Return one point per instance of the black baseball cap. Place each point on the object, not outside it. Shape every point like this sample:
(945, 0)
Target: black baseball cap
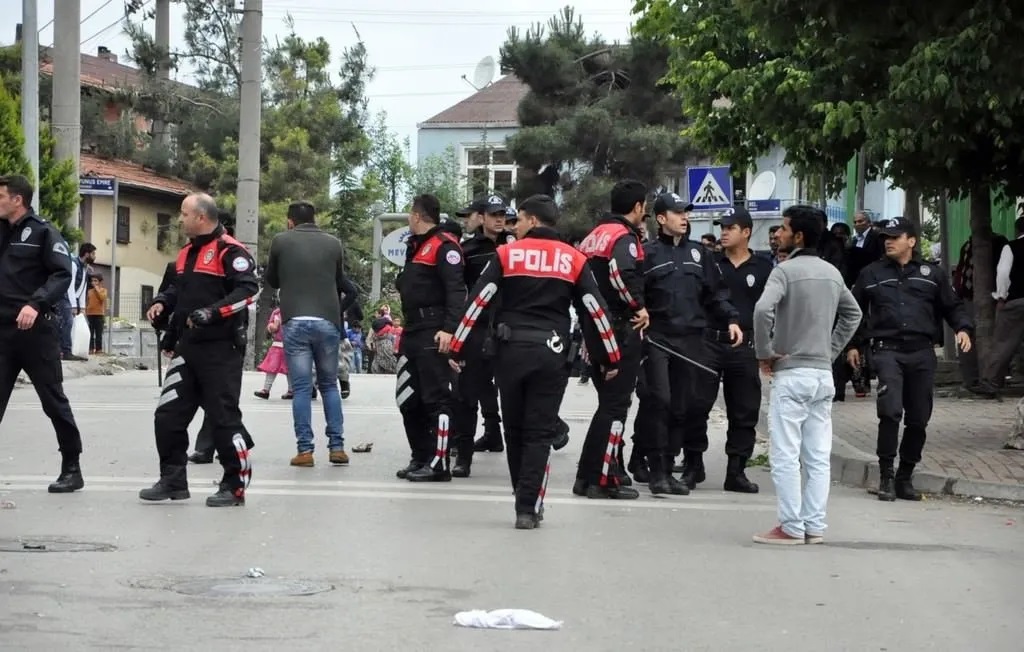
(670, 201)
(738, 215)
(494, 205)
(475, 206)
(896, 226)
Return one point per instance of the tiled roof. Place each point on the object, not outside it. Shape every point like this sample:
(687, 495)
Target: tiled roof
(496, 106)
(98, 72)
(133, 175)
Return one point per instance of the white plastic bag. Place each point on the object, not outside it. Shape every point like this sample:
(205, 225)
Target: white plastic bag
(505, 619)
(80, 336)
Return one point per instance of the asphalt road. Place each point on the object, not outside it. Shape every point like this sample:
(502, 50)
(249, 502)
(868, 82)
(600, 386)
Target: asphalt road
(393, 562)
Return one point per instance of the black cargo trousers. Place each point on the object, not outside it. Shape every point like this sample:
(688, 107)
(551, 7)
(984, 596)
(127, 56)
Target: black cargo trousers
(475, 386)
(36, 351)
(532, 378)
(208, 375)
(424, 397)
(606, 427)
(741, 390)
(906, 381)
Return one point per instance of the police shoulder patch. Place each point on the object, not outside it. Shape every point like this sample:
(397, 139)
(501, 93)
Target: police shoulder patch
(26, 232)
(60, 248)
(453, 257)
(695, 254)
(240, 264)
(509, 239)
(632, 249)
(925, 270)
(208, 257)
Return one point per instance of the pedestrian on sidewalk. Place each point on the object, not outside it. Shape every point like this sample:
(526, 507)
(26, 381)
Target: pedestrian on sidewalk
(1009, 327)
(904, 300)
(95, 311)
(274, 363)
(35, 273)
(307, 265)
(803, 320)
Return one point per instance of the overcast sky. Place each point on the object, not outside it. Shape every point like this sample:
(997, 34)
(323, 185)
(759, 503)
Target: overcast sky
(420, 49)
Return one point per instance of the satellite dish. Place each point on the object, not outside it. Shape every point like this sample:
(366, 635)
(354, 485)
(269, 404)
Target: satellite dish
(763, 186)
(483, 75)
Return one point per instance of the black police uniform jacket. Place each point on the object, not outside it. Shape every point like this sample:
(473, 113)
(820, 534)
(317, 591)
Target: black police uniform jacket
(432, 284)
(615, 252)
(745, 284)
(35, 267)
(478, 251)
(907, 304)
(683, 288)
(212, 271)
(537, 279)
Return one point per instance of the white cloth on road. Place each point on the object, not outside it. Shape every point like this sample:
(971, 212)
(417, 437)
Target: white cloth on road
(505, 619)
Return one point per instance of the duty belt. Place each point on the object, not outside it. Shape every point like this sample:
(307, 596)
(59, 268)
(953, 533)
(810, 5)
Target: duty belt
(555, 341)
(725, 337)
(906, 346)
(430, 312)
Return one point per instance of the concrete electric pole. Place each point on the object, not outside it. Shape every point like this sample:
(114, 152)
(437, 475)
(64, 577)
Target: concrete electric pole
(247, 210)
(162, 37)
(67, 74)
(30, 88)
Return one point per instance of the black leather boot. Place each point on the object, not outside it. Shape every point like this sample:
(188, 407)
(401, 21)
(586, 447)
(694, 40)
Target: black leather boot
(886, 482)
(561, 436)
(201, 458)
(904, 486)
(693, 469)
(227, 497)
(525, 522)
(657, 480)
(462, 465)
(736, 477)
(427, 473)
(409, 468)
(491, 441)
(613, 492)
(172, 485)
(639, 467)
(70, 478)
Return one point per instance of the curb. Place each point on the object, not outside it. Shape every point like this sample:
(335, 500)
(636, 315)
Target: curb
(853, 467)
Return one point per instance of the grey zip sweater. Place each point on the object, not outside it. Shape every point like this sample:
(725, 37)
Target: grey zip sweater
(307, 265)
(805, 314)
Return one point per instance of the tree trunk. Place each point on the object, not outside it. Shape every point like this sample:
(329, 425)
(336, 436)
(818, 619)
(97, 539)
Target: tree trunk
(912, 206)
(984, 270)
(822, 193)
(862, 177)
(1016, 440)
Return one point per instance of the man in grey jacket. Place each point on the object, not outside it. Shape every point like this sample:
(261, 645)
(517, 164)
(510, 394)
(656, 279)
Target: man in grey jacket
(802, 322)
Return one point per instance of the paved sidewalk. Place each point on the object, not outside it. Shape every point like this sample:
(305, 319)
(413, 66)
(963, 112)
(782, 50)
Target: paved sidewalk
(963, 456)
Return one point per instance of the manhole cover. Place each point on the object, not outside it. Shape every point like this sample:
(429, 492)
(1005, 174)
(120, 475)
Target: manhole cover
(52, 544)
(245, 587)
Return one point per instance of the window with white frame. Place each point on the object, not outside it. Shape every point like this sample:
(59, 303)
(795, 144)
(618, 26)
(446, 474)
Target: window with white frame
(489, 169)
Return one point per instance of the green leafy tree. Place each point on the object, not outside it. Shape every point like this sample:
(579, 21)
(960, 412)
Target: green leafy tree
(12, 138)
(389, 161)
(439, 175)
(595, 113)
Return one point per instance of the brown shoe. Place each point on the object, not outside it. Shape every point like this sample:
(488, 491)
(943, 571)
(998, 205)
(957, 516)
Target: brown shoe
(339, 457)
(303, 459)
(777, 537)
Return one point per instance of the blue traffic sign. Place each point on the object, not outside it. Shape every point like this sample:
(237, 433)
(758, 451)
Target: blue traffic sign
(710, 187)
(96, 186)
(764, 205)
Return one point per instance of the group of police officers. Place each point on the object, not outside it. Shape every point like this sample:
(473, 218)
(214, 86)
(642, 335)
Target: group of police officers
(665, 318)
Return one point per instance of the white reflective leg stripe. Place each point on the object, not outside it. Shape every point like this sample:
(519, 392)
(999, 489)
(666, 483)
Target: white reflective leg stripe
(442, 440)
(543, 490)
(244, 463)
(404, 378)
(611, 451)
(168, 396)
(172, 379)
(404, 395)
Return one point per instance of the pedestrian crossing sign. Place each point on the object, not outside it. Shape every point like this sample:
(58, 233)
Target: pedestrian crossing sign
(710, 187)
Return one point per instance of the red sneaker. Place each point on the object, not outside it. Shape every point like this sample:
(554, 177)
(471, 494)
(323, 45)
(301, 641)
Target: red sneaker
(777, 537)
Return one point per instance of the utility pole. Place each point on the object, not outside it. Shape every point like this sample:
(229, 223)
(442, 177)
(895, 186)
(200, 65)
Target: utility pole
(247, 211)
(67, 75)
(163, 68)
(30, 89)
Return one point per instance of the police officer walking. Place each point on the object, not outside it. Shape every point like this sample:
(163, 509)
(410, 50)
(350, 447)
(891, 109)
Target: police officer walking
(744, 274)
(614, 250)
(536, 279)
(477, 377)
(904, 300)
(432, 286)
(35, 273)
(684, 291)
(209, 307)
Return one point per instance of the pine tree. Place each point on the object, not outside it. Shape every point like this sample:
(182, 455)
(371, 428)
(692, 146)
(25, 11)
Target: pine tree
(58, 187)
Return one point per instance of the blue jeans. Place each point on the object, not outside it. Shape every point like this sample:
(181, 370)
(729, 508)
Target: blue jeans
(308, 342)
(800, 439)
(65, 320)
(357, 361)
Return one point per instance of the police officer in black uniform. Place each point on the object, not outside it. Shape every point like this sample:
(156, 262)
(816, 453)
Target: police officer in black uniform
(477, 377)
(35, 273)
(684, 290)
(744, 273)
(536, 278)
(614, 249)
(904, 300)
(432, 287)
(208, 304)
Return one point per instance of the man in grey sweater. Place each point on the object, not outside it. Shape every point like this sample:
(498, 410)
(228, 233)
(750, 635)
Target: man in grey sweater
(802, 322)
(307, 265)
